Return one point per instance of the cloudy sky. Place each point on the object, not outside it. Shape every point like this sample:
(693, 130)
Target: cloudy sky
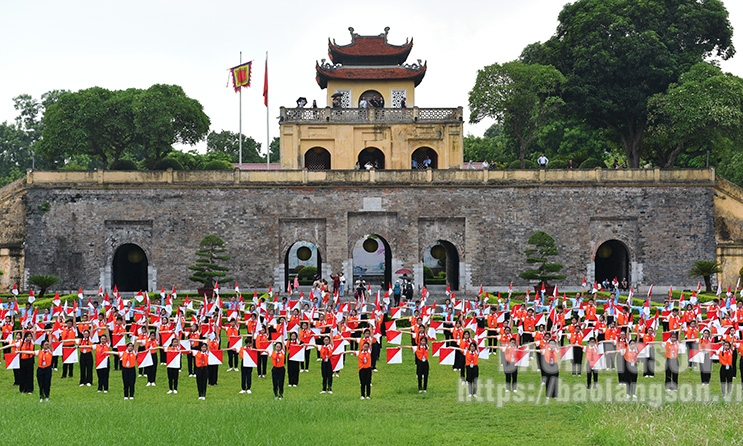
(77, 44)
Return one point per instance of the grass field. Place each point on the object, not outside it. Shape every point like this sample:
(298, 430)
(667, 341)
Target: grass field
(396, 413)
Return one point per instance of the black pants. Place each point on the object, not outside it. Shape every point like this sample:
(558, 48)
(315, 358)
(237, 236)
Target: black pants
(591, 375)
(492, 340)
(706, 368)
(173, 378)
(375, 350)
(672, 373)
(306, 364)
(246, 375)
(129, 377)
(691, 345)
(471, 377)
(232, 359)
(609, 350)
(577, 359)
(213, 374)
(277, 375)
(621, 366)
(163, 357)
(292, 369)
(201, 377)
(192, 361)
(459, 362)
(512, 375)
(117, 362)
(649, 363)
(86, 368)
(26, 376)
(152, 370)
(630, 376)
(262, 365)
(67, 370)
(421, 369)
(365, 376)
(103, 378)
(326, 369)
(44, 378)
(726, 379)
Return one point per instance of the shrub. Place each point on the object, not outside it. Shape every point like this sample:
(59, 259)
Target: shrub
(557, 164)
(43, 281)
(218, 165)
(124, 165)
(308, 272)
(528, 164)
(427, 272)
(592, 163)
(208, 258)
(168, 163)
(543, 248)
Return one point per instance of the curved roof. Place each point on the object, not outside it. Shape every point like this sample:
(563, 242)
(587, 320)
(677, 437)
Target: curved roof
(369, 50)
(327, 72)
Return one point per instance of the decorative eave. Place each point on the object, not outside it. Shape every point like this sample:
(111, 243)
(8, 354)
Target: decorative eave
(327, 71)
(369, 50)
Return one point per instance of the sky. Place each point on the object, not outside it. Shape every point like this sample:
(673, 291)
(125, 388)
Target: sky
(78, 44)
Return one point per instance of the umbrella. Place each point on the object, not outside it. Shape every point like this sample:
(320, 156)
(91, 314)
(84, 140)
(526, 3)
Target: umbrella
(403, 271)
(336, 94)
(302, 101)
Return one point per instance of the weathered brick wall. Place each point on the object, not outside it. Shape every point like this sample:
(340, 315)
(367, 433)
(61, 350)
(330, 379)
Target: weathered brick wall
(12, 234)
(665, 227)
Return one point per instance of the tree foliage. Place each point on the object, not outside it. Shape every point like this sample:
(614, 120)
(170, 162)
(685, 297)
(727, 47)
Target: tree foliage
(228, 143)
(522, 97)
(539, 255)
(43, 281)
(616, 54)
(208, 267)
(705, 269)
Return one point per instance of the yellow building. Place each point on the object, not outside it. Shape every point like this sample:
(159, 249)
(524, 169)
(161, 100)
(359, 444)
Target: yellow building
(371, 120)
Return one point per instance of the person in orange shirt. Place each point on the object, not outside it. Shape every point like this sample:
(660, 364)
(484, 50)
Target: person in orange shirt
(726, 369)
(648, 369)
(691, 335)
(213, 369)
(68, 342)
(278, 372)
(102, 349)
(528, 325)
(201, 370)
(26, 375)
(292, 368)
(365, 369)
(509, 365)
(233, 334)
(261, 344)
(194, 338)
(326, 368)
(592, 357)
(551, 367)
(463, 343)
(576, 340)
(492, 322)
(86, 359)
(421, 366)
(174, 347)
(306, 336)
(473, 371)
(610, 336)
(620, 345)
(151, 345)
(630, 354)
(705, 368)
(128, 362)
(672, 362)
(44, 371)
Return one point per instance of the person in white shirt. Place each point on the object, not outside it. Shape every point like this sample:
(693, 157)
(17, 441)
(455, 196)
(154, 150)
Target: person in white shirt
(542, 161)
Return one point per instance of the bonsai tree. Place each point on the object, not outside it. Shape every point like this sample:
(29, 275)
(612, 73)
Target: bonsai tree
(207, 268)
(705, 269)
(43, 281)
(538, 256)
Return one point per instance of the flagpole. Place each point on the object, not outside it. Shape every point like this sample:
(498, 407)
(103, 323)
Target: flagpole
(240, 127)
(268, 140)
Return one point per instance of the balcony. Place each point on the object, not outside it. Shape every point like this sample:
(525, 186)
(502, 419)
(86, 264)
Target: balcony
(370, 115)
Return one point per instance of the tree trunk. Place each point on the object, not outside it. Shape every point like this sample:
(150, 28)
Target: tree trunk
(707, 284)
(632, 142)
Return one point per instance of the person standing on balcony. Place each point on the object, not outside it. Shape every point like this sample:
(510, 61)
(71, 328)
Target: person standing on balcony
(314, 103)
(542, 161)
(403, 103)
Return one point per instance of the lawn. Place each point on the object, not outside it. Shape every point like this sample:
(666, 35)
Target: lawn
(396, 413)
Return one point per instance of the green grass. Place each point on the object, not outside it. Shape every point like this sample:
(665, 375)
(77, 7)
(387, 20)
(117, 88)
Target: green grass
(396, 414)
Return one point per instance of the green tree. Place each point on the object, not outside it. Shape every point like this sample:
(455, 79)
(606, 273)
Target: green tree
(43, 281)
(208, 268)
(616, 54)
(228, 143)
(522, 97)
(705, 269)
(704, 105)
(543, 248)
(275, 155)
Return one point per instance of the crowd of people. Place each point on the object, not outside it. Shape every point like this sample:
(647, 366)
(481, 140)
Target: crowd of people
(136, 337)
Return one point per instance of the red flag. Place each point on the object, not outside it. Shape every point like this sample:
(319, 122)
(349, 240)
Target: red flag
(265, 84)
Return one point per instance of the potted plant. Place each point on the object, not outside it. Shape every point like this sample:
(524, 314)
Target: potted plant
(208, 268)
(538, 257)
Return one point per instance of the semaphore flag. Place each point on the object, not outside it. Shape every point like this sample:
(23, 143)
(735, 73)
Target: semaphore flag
(446, 356)
(394, 337)
(215, 357)
(12, 361)
(394, 355)
(296, 353)
(250, 358)
(241, 75)
(69, 355)
(173, 359)
(337, 362)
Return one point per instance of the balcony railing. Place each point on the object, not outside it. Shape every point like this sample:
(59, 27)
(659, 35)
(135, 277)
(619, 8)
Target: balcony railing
(370, 115)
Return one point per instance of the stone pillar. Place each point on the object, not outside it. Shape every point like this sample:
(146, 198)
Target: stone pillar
(418, 275)
(151, 278)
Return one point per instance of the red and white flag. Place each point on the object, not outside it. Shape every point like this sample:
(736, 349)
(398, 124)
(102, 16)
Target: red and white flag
(101, 359)
(296, 353)
(250, 358)
(215, 357)
(337, 362)
(144, 359)
(31, 296)
(566, 353)
(435, 347)
(56, 349)
(522, 357)
(446, 356)
(69, 355)
(173, 359)
(396, 312)
(394, 337)
(598, 363)
(394, 355)
(12, 361)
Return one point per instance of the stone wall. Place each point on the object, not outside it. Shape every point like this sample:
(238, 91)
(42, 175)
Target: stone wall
(12, 233)
(664, 218)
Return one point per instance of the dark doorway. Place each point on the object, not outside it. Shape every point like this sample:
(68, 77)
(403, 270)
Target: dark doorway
(373, 156)
(423, 156)
(372, 259)
(130, 268)
(612, 260)
(299, 256)
(317, 158)
(443, 260)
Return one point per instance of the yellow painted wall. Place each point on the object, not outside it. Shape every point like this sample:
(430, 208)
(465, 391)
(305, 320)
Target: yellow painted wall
(383, 87)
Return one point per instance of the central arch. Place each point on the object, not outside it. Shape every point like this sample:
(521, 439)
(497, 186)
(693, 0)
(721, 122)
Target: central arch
(612, 260)
(422, 156)
(371, 155)
(372, 259)
(300, 255)
(130, 268)
(442, 259)
(317, 158)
